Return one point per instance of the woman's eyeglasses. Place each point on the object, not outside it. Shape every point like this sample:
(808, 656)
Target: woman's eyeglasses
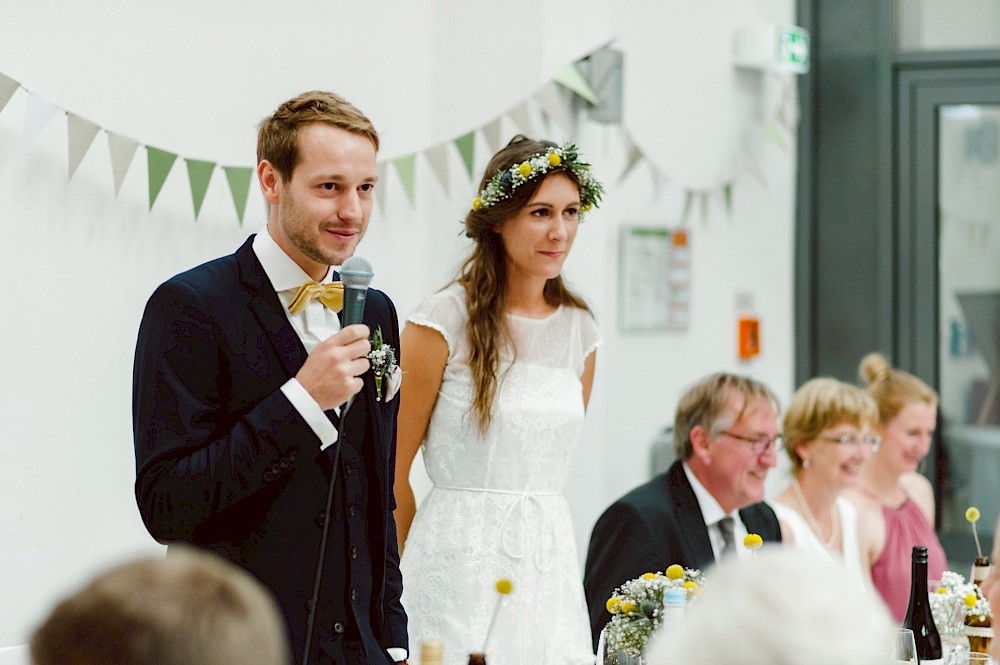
(873, 441)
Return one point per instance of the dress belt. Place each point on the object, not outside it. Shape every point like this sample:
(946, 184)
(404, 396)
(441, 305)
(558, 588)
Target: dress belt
(541, 551)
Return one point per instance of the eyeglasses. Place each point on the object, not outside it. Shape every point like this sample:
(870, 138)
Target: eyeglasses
(758, 444)
(873, 441)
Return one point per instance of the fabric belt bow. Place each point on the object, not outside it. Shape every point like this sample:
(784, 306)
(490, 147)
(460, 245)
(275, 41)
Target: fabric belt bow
(330, 294)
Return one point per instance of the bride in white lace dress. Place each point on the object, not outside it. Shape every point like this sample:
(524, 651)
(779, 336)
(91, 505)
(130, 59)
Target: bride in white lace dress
(498, 370)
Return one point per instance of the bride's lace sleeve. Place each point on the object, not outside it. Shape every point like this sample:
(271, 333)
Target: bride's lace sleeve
(444, 312)
(590, 339)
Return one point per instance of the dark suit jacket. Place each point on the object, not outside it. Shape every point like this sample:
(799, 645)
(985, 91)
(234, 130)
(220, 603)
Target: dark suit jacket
(225, 462)
(653, 526)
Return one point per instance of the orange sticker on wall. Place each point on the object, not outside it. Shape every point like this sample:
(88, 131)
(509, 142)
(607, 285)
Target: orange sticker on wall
(749, 338)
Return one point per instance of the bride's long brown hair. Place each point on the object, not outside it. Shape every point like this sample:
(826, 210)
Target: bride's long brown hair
(484, 276)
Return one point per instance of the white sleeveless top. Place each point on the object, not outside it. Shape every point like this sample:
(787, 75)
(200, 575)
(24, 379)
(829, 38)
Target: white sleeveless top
(806, 540)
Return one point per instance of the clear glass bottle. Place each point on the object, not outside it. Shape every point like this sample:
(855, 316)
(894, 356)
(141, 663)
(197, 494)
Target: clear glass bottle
(431, 652)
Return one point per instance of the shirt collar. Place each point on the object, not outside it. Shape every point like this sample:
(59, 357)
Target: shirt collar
(711, 511)
(283, 273)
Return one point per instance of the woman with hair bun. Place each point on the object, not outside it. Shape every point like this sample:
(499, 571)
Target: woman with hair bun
(896, 502)
(499, 367)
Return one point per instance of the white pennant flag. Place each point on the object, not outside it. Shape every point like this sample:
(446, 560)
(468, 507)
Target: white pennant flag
(37, 114)
(122, 151)
(437, 157)
(521, 116)
(8, 87)
(633, 157)
(491, 133)
(555, 106)
(81, 136)
(382, 172)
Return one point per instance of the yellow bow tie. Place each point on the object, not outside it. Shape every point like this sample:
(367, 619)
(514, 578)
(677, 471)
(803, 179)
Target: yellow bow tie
(331, 295)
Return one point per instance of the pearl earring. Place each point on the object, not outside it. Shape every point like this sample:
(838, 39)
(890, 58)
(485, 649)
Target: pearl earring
(806, 463)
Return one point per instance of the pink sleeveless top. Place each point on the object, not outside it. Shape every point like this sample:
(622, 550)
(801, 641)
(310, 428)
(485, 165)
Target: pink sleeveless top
(905, 528)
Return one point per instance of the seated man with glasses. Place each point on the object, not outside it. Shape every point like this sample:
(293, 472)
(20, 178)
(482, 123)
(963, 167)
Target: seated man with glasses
(829, 436)
(701, 508)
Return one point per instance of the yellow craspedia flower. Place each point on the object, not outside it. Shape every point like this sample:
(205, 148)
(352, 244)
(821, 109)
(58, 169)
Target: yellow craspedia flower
(524, 169)
(555, 160)
(628, 607)
(941, 589)
(692, 588)
(504, 586)
(972, 514)
(648, 576)
(675, 572)
(970, 600)
(586, 207)
(477, 204)
(753, 541)
(613, 605)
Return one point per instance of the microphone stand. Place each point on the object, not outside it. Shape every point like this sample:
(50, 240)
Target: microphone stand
(314, 600)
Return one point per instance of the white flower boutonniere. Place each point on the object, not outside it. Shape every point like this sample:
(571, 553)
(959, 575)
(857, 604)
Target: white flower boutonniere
(383, 360)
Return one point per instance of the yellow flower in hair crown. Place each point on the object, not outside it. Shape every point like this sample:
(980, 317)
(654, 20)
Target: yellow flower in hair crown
(565, 157)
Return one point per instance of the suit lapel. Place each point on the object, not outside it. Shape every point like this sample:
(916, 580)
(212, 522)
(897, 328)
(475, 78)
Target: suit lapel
(690, 519)
(267, 309)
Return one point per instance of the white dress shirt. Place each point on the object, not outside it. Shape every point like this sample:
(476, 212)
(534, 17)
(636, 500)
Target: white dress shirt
(313, 325)
(713, 512)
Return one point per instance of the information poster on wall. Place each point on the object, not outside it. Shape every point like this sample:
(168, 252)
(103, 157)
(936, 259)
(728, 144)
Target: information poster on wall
(655, 279)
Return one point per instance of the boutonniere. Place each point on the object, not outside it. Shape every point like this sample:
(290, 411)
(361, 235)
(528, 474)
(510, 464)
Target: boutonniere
(383, 361)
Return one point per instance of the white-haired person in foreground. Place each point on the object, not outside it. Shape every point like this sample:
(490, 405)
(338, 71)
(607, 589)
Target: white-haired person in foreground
(779, 607)
(190, 608)
(991, 589)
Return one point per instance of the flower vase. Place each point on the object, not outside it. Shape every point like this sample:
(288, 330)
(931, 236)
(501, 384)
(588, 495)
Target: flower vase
(623, 658)
(979, 630)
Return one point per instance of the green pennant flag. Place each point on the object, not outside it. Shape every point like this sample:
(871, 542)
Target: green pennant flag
(160, 163)
(199, 174)
(727, 193)
(406, 168)
(570, 77)
(239, 185)
(466, 147)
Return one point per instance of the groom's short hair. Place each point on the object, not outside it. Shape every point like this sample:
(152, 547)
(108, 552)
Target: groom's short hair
(190, 608)
(705, 404)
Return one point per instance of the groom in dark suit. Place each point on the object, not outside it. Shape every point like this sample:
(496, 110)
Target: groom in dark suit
(241, 371)
(701, 508)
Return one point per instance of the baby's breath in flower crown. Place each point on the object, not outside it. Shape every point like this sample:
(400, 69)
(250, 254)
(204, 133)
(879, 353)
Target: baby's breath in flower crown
(637, 607)
(565, 157)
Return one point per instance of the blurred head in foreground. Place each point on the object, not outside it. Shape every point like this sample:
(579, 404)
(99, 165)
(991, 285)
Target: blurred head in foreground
(189, 608)
(779, 607)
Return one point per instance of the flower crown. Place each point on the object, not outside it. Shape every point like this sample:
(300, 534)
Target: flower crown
(565, 157)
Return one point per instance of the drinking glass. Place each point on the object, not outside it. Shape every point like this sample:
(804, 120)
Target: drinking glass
(905, 649)
(972, 658)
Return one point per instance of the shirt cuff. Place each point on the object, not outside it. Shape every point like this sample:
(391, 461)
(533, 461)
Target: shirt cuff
(396, 654)
(311, 412)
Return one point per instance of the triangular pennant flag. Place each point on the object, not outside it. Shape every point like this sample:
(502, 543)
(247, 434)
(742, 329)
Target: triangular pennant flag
(466, 147)
(704, 206)
(688, 204)
(727, 197)
(381, 171)
(159, 164)
(122, 151)
(81, 135)
(570, 77)
(773, 134)
(406, 168)
(199, 174)
(37, 114)
(757, 171)
(8, 87)
(239, 186)
(521, 116)
(556, 108)
(491, 132)
(633, 157)
(437, 157)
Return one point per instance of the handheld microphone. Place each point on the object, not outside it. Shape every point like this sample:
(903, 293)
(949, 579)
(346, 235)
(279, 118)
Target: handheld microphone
(356, 274)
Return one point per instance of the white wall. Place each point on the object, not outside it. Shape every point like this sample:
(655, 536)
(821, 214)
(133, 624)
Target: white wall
(194, 78)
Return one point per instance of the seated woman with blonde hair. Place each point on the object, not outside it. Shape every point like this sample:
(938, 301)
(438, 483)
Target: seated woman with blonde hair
(895, 502)
(828, 432)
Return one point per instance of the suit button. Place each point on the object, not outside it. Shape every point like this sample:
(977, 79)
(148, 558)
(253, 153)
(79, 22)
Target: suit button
(320, 518)
(338, 627)
(354, 552)
(268, 477)
(347, 469)
(354, 594)
(351, 511)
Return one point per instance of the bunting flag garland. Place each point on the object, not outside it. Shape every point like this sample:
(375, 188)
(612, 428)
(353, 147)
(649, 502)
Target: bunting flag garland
(555, 107)
(406, 168)
(633, 157)
(466, 145)
(521, 115)
(239, 186)
(37, 114)
(199, 175)
(8, 87)
(437, 157)
(160, 162)
(570, 78)
(81, 136)
(491, 132)
(380, 187)
(122, 151)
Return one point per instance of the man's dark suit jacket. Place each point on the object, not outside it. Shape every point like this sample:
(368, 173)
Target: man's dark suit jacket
(224, 461)
(653, 526)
